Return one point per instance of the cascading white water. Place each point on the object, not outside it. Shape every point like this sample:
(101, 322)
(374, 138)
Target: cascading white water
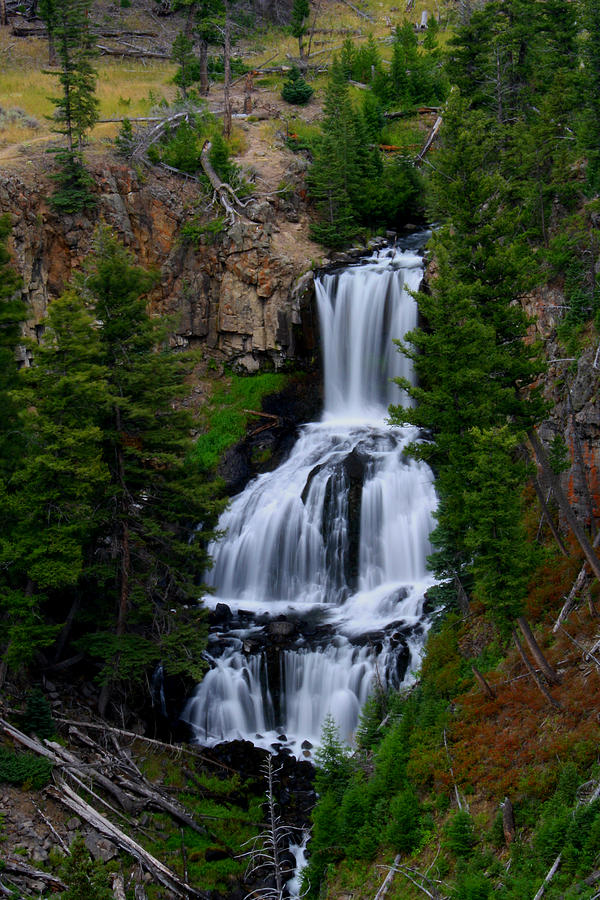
(323, 563)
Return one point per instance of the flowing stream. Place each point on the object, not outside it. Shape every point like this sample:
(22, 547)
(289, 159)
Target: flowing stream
(320, 579)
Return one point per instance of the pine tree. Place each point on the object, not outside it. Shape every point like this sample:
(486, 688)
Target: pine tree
(300, 14)
(151, 544)
(77, 106)
(55, 490)
(295, 88)
(12, 315)
(334, 170)
(182, 52)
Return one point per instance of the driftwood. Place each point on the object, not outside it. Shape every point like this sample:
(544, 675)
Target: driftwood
(65, 795)
(508, 821)
(226, 195)
(587, 654)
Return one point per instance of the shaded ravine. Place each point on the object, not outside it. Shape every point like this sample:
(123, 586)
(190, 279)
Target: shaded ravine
(320, 579)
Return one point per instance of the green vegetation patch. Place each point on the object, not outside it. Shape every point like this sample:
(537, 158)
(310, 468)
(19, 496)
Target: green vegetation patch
(24, 769)
(230, 409)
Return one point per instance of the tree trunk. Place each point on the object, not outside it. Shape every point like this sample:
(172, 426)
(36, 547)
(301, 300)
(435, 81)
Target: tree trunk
(65, 631)
(508, 821)
(203, 60)
(189, 22)
(227, 74)
(563, 503)
(483, 683)
(536, 652)
(547, 515)
(543, 690)
(3, 15)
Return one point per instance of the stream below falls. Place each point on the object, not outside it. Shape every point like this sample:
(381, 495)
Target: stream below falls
(320, 578)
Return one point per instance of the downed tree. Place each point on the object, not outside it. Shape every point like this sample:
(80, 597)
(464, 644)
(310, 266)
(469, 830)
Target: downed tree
(576, 589)
(430, 139)
(137, 53)
(126, 784)
(67, 797)
(18, 867)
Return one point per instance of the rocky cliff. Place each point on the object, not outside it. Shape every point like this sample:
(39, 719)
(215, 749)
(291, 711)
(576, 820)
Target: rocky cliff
(245, 293)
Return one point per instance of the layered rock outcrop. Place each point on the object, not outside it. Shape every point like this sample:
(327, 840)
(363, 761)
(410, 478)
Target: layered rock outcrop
(245, 294)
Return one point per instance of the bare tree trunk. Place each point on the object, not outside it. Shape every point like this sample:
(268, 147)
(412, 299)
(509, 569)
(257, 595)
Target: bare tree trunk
(547, 515)
(3, 14)
(65, 631)
(541, 687)
(312, 30)
(536, 651)
(227, 73)
(203, 60)
(508, 821)
(564, 505)
(483, 683)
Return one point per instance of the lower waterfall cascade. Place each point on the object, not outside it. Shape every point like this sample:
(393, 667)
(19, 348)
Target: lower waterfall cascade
(319, 580)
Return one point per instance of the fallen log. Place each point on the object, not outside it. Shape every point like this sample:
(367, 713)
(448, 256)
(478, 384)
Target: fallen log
(154, 799)
(18, 867)
(358, 12)
(65, 795)
(134, 54)
(178, 748)
(430, 139)
(575, 590)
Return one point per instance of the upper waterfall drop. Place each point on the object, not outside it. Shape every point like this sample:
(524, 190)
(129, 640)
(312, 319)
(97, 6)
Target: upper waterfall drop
(359, 356)
(323, 563)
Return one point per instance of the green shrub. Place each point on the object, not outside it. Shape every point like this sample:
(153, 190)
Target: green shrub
(295, 89)
(37, 718)
(86, 880)
(459, 834)
(24, 769)
(403, 829)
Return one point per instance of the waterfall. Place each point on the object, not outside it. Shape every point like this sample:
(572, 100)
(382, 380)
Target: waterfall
(323, 564)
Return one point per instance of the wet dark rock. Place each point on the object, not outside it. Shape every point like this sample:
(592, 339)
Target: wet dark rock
(281, 737)
(220, 614)
(306, 745)
(281, 629)
(212, 854)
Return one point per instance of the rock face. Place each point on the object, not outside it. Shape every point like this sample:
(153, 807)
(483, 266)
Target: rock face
(571, 386)
(241, 295)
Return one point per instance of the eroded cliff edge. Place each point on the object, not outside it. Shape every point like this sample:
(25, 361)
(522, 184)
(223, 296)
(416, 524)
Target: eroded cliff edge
(245, 294)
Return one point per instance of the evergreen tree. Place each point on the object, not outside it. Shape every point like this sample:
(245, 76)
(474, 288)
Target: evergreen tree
(300, 14)
(590, 118)
(77, 106)
(12, 315)
(334, 171)
(55, 490)
(295, 88)
(150, 541)
(182, 52)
